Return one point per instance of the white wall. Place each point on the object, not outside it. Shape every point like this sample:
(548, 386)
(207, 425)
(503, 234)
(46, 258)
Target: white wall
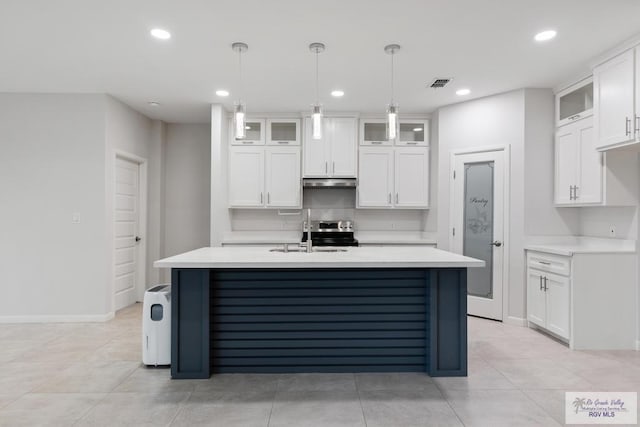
(520, 120)
(52, 165)
(187, 187)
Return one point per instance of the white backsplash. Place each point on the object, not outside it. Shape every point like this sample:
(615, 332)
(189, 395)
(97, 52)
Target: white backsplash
(326, 204)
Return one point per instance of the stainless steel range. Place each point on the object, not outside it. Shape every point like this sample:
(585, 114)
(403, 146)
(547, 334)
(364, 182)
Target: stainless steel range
(330, 233)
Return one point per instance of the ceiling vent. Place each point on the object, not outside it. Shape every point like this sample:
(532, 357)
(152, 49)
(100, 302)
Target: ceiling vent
(439, 82)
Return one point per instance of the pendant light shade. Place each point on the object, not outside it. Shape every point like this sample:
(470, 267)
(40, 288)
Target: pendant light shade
(239, 109)
(393, 124)
(316, 121)
(316, 110)
(239, 121)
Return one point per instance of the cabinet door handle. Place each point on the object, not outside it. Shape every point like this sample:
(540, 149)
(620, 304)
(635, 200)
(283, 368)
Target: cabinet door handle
(412, 143)
(389, 199)
(575, 192)
(637, 125)
(261, 198)
(575, 117)
(247, 142)
(571, 192)
(376, 142)
(545, 284)
(627, 126)
(540, 282)
(326, 167)
(268, 197)
(397, 198)
(283, 142)
(544, 262)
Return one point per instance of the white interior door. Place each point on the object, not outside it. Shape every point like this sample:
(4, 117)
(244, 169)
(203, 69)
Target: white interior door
(126, 232)
(478, 227)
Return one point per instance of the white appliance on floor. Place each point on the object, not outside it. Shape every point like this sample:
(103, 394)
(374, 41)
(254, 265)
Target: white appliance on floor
(156, 326)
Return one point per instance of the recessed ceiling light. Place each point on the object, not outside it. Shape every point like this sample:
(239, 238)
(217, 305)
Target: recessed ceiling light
(417, 129)
(463, 92)
(153, 104)
(337, 93)
(222, 92)
(161, 34)
(543, 36)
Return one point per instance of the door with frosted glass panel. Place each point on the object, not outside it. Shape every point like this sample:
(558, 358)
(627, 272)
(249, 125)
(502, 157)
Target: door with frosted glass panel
(477, 227)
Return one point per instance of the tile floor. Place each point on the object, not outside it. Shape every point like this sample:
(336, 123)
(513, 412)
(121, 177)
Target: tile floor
(90, 374)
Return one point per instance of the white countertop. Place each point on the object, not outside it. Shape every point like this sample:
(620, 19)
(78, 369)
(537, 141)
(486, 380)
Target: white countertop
(355, 257)
(569, 245)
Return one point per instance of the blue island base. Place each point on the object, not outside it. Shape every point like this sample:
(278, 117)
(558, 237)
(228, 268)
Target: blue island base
(318, 320)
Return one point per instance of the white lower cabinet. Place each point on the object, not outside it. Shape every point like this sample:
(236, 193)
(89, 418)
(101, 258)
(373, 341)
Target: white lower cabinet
(548, 301)
(264, 177)
(587, 299)
(393, 177)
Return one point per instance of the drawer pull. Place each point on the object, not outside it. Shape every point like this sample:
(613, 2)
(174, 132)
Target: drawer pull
(544, 262)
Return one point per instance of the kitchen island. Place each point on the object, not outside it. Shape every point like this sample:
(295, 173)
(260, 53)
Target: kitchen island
(367, 309)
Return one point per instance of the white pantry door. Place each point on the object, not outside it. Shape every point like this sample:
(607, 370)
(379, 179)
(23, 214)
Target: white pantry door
(126, 229)
(477, 218)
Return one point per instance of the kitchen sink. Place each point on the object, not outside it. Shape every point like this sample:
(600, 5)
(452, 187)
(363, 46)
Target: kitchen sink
(315, 249)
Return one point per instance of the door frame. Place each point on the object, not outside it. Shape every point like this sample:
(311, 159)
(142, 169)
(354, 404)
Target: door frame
(506, 239)
(141, 252)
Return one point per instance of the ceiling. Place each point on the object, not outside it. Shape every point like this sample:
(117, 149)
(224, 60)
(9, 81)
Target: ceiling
(92, 46)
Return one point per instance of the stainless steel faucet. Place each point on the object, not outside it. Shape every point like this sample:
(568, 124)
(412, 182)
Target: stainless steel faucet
(309, 241)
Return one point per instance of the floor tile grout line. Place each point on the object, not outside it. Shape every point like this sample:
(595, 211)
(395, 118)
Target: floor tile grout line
(442, 392)
(364, 416)
(180, 409)
(540, 406)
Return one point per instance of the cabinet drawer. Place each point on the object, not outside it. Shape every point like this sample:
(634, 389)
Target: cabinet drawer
(550, 263)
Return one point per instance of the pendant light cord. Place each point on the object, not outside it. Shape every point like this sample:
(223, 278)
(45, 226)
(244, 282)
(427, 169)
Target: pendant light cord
(317, 84)
(392, 55)
(240, 74)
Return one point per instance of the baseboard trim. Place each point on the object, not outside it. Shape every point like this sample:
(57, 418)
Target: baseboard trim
(79, 318)
(516, 321)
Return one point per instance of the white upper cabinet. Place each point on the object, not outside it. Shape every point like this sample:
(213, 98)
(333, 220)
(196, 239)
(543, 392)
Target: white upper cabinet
(374, 132)
(393, 177)
(575, 102)
(283, 132)
(264, 177)
(412, 178)
(283, 184)
(334, 155)
(246, 177)
(413, 132)
(578, 165)
(585, 177)
(375, 182)
(343, 137)
(615, 101)
(254, 130)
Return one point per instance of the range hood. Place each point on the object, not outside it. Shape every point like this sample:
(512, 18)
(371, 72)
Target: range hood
(329, 182)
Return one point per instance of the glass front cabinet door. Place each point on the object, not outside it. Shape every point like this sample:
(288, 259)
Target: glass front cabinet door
(283, 132)
(254, 133)
(413, 132)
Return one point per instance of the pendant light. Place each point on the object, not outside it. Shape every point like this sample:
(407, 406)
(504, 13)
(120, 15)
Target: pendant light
(392, 108)
(316, 109)
(239, 108)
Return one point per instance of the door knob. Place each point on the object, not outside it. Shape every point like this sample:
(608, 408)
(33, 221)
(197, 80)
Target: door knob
(138, 238)
(497, 243)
